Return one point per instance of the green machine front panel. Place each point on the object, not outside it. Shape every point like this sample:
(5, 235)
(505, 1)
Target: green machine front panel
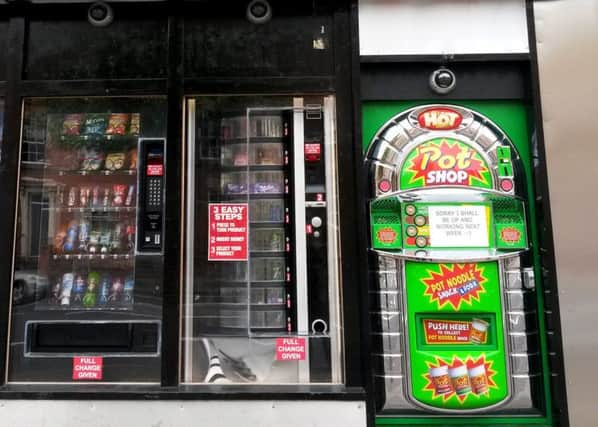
(456, 325)
(445, 303)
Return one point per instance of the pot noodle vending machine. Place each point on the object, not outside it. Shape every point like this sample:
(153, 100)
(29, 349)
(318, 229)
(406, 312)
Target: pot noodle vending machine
(453, 294)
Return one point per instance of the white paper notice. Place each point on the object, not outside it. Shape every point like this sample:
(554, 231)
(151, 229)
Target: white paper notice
(458, 226)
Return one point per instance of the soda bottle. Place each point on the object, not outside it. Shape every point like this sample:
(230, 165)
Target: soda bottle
(106, 198)
(67, 287)
(84, 194)
(130, 195)
(130, 232)
(105, 284)
(118, 194)
(95, 197)
(72, 200)
(116, 243)
(78, 290)
(55, 294)
(93, 279)
(128, 290)
(94, 241)
(83, 235)
(105, 240)
(116, 291)
(71, 237)
(60, 195)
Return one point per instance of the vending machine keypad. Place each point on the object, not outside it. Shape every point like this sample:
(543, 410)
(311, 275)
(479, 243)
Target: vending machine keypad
(154, 194)
(151, 195)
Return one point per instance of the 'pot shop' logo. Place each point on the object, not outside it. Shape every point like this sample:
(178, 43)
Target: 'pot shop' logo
(445, 161)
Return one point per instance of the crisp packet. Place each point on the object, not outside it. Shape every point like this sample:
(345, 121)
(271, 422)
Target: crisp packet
(117, 124)
(72, 124)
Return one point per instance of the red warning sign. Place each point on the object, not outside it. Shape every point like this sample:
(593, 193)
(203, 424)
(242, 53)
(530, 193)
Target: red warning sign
(227, 239)
(88, 368)
(155, 170)
(313, 152)
(290, 349)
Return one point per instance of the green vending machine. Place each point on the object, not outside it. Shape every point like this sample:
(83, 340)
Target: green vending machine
(454, 305)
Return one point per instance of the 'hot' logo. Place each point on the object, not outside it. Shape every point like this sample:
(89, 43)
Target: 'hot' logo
(439, 119)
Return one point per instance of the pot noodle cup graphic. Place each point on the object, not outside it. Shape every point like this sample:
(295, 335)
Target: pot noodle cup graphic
(479, 379)
(478, 332)
(441, 380)
(460, 379)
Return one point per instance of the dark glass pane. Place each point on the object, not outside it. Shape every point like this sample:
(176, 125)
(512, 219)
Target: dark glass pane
(290, 46)
(65, 50)
(3, 38)
(252, 311)
(78, 271)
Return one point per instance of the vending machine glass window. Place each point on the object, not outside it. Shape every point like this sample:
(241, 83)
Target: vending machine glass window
(86, 296)
(261, 302)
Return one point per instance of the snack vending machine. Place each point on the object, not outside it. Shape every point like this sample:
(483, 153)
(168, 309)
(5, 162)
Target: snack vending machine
(454, 306)
(261, 294)
(86, 300)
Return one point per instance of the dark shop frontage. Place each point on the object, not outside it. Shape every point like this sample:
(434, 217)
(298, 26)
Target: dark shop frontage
(271, 213)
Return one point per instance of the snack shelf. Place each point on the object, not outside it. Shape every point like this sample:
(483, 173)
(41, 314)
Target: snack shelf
(128, 209)
(92, 173)
(254, 140)
(57, 307)
(252, 283)
(240, 197)
(266, 254)
(266, 224)
(92, 257)
(253, 168)
(256, 305)
(74, 139)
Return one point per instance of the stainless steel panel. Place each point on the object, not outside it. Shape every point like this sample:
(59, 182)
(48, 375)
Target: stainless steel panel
(386, 321)
(393, 363)
(515, 299)
(395, 399)
(387, 281)
(385, 300)
(396, 136)
(518, 342)
(514, 279)
(521, 398)
(519, 364)
(470, 131)
(380, 172)
(486, 138)
(520, 321)
(391, 342)
(525, 363)
(567, 36)
(412, 131)
(385, 152)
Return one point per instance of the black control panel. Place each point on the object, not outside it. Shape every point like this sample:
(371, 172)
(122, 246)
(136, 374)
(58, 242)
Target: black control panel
(151, 195)
(317, 243)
